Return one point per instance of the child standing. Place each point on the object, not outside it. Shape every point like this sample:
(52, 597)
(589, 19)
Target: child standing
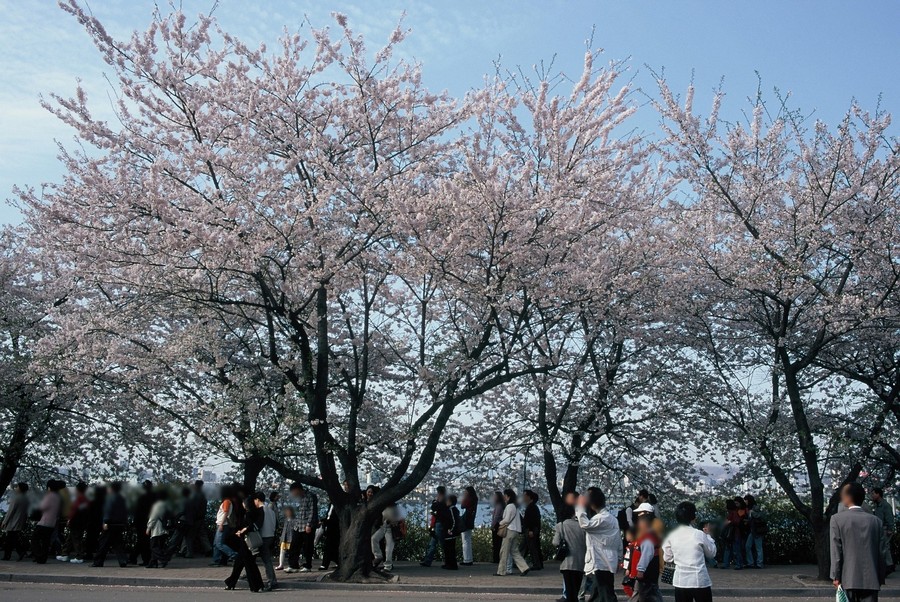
(287, 532)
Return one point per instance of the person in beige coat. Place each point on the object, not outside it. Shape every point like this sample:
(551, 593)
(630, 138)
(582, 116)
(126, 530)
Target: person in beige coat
(156, 530)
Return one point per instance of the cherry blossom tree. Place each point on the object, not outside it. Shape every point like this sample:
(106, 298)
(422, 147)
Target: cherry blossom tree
(783, 225)
(315, 219)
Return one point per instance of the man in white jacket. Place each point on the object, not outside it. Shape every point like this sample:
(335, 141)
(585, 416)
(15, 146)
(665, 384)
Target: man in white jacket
(604, 546)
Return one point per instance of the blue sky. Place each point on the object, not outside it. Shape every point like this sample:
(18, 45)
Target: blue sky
(824, 53)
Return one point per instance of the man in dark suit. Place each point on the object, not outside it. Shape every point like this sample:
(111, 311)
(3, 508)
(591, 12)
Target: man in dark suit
(531, 528)
(856, 561)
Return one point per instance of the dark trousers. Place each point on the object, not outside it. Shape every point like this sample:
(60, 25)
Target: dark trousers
(245, 560)
(40, 543)
(533, 547)
(142, 545)
(604, 589)
(158, 555)
(301, 542)
(332, 544)
(74, 545)
(496, 542)
(695, 594)
(572, 581)
(13, 541)
(182, 535)
(647, 591)
(450, 553)
(862, 595)
(112, 538)
(91, 539)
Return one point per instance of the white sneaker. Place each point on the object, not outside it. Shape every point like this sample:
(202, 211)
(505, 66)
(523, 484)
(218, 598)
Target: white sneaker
(63, 558)
(303, 569)
(77, 561)
(389, 567)
(290, 570)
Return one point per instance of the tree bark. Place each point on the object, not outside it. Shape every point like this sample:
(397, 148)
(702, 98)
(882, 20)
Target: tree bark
(252, 467)
(820, 527)
(356, 545)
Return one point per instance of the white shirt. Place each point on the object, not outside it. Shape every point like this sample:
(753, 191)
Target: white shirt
(511, 518)
(689, 548)
(603, 539)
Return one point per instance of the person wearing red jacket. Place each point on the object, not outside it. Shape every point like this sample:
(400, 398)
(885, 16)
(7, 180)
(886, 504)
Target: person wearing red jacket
(73, 549)
(644, 568)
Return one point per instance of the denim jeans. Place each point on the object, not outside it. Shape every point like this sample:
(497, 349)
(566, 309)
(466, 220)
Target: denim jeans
(754, 542)
(734, 551)
(436, 542)
(467, 547)
(219, 547)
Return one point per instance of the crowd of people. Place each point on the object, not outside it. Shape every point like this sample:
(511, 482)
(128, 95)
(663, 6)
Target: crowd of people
(591, 544)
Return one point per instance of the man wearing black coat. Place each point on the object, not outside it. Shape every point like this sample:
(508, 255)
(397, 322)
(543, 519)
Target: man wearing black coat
(531, 526)
(115, 521)
(141, 515)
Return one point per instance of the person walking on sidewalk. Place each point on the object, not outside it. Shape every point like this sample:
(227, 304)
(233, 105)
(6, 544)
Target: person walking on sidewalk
(531, 525)
(14, 522)
(140, 554)
(251, 520)
(857, 563)
(689, 548)
(155, 529)
(497, 506)
(73, 549)
(437, 521)
(885, 512)
(115, 521)
(267, 531)
(572, 566)
(511, 531)
(604, 544)
(304, 529)
(43, 531)
(226, 523)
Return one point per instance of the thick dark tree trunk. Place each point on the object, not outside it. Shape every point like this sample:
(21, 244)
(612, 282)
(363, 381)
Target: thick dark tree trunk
(252, 467)
(355, 552)
(7, 472)
(823, 548)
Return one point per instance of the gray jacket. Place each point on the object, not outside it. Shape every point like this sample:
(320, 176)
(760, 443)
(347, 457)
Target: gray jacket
(856, 550)
(17, 514)
(574, 535)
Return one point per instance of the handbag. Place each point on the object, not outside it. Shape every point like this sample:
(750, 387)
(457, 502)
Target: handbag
(840, 595)
(502, 530)
(562, 550)
(668, 573)
(254, 541)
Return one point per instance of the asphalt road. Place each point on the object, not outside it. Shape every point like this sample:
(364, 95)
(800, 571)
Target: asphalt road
(77, 593)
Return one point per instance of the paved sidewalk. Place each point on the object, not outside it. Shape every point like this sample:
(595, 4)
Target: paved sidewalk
(779, 581)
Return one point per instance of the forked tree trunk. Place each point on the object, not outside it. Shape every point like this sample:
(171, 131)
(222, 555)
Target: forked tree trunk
(355, 551)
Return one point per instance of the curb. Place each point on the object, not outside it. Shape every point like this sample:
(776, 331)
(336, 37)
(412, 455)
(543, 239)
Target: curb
(104, 580)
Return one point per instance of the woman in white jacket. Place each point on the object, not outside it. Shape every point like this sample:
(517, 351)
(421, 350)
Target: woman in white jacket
(604, 544)
(512, 540)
